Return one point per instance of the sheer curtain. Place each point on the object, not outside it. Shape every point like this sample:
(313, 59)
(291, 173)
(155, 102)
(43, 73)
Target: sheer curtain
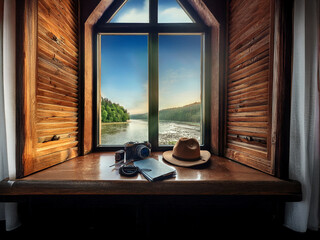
(8, 211)
(304, 133)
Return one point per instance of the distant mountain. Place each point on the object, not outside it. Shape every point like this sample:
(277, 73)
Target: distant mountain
(187, 113)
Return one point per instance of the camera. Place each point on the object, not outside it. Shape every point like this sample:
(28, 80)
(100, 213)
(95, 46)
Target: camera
(136, 150)
(119, 155)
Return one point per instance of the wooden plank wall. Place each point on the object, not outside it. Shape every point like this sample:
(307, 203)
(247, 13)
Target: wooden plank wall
(57, 81)
(249, 83)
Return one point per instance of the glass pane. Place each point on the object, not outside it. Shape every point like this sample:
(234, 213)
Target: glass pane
(133, 11)
(124, 89)
(170, 11)
(179, 88)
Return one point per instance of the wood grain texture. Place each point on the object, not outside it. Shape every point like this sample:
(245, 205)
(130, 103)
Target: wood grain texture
(26, 59)
(258, 84)
(57, 82)
(214, 62)
(91, 175)
(281, 94)
(49, 80)
(87, 134)
(249, 83)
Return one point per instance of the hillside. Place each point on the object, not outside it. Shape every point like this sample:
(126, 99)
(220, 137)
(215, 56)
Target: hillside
(113, 112)
(187, 113)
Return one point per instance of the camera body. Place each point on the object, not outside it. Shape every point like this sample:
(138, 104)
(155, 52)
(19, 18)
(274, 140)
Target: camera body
(136, 150)
(119, 155)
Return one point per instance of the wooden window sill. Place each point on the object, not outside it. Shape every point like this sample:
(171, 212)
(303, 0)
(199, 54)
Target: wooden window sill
(91, 175)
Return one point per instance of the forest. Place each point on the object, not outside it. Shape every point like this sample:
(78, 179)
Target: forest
(113, 112)
(187, 113)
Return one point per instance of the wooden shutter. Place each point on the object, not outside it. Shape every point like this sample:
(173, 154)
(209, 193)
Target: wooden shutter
(47, 83)
(254, 83)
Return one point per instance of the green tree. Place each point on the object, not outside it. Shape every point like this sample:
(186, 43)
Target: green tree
(104, 116)
(113, 112)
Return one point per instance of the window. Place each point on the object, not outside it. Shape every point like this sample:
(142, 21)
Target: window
(249, 94)
(133, 11)
(151, 74)
(123, 88)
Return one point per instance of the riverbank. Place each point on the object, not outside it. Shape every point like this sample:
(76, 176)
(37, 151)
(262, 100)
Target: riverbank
(112, 123)
(188, 113)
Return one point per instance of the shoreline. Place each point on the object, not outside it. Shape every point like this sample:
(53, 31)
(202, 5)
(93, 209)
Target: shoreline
(173, 121)
(110, 123)
(145, 120)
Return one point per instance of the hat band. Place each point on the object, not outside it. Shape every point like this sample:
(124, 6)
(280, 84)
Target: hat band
(186, 159)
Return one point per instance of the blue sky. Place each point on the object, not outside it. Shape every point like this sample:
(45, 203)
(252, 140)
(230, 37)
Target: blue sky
(179, 70)
(124, 65)
(124, 70)
(138, 11)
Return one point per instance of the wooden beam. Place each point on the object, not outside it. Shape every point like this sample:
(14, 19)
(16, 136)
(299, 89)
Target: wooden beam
(26, 62)
(281, 85)
(216, 75)
(87, 136)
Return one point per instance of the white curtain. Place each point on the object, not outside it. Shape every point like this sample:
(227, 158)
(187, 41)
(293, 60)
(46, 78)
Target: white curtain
(8, 211)
(304, 134)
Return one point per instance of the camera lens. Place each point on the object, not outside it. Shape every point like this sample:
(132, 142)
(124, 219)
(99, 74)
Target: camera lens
(119, 155)
(142, 151)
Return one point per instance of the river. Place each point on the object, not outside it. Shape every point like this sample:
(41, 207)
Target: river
(137, 130)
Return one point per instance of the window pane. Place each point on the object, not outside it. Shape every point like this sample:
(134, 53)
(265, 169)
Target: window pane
(133, 11)
(124, 89)
(170, 11)
(179, 88)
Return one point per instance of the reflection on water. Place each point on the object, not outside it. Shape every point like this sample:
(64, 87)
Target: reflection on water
(120, 133)
(137, 130)
(171, 131)
(112, 129)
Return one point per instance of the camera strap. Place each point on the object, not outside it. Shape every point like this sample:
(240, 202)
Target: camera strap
(128, 170)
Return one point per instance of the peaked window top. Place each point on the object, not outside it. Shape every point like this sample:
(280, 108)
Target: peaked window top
(133, 11)
(137, 11)
(170, 11)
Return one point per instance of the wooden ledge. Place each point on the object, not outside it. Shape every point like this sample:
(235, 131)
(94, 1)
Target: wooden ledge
(91, 175)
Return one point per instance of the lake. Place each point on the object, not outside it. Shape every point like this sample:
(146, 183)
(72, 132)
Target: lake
(137, 130)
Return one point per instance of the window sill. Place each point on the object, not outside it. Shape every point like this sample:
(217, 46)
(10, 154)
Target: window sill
(91, 175)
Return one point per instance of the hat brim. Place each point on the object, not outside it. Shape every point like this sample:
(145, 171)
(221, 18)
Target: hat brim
(205, 156)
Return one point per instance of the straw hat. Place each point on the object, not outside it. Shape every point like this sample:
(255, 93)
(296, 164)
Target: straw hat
(186, 153)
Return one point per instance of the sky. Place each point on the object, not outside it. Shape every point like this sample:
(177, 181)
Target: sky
(124, 71)
(124, 68)
(179, 70)
(138, 11)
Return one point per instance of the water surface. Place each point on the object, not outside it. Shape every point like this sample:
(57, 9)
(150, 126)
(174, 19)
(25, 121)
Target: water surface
(137, 130)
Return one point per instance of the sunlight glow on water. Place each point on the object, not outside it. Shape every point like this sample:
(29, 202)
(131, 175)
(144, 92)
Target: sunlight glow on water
(137, 130)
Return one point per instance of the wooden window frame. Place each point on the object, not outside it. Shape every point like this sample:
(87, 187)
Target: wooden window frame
(214, 126)
(153, 30)
(281, 83)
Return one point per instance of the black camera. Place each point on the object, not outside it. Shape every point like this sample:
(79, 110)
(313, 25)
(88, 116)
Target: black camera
(136, 150)
(119, 155)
